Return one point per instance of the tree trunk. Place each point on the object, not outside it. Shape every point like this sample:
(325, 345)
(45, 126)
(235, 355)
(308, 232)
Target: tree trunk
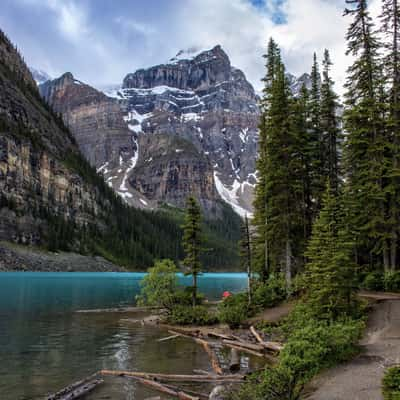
(393, 251)
(288, 265)
(194, 294)
(386, 263)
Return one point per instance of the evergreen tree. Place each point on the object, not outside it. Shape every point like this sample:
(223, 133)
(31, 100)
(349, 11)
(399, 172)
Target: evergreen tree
(365, 145)
(315, 146)
(300, 125)
(330, 129)
(391, 30)
(192, 242)
(261, 248)
(245, 253)
(283, 179)
(329, 275)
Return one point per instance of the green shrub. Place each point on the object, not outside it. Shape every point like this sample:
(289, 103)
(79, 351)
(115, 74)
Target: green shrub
(319, 345)
(234, 310)
(392, 281)
(312, 346)
(391, 384)
(187, 315)
(373, 281)
(159, 285)
(184, 297)
(270, 293)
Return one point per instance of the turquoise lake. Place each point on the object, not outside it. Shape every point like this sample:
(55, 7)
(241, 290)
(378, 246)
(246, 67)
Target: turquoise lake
(45, 344)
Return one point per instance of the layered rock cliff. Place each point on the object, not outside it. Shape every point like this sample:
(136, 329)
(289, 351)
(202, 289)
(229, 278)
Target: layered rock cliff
(200, 97)
(95, 120)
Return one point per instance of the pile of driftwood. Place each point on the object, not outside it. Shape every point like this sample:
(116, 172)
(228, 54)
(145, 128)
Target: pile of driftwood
(161, 382)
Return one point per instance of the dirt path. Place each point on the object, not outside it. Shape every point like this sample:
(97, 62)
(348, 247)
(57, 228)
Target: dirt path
(361, 378)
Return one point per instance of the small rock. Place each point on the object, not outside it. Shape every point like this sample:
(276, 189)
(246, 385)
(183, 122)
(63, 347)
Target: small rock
(219, 393)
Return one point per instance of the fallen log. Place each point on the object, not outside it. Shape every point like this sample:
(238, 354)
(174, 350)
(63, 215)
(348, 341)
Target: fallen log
(211, 353)
(188, 391)
(274, 346)
(245, 349)
(219, 335)
(174, 378)
(251, 346)
(168, 338)
(164, 389)
(77, 389)
(256, 335)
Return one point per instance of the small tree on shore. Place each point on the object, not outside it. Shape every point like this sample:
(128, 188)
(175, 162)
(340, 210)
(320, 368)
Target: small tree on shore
(329, 274)
(192, 242)
(245, 253)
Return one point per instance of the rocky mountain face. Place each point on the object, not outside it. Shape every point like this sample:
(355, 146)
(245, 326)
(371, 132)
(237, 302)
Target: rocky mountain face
(201, 98)
(189, 126)
(95, 120)
(33, 179)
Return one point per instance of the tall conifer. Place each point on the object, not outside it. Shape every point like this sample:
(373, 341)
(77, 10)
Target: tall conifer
(330, 129)
(329, 273)
(390, 28)
(365, 143)
(192, 242)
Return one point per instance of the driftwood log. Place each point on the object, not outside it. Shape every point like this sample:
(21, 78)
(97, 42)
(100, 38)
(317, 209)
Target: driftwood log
(165, 389)
(211, 353)
(77, 389)
(175, 378)
(274, 346)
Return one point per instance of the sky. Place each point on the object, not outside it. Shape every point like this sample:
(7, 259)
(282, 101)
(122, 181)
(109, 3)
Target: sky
(100, 41)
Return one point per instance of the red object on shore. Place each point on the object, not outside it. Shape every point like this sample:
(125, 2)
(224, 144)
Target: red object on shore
(226, 294)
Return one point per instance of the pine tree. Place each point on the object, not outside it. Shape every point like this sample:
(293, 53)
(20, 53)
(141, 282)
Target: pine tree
(245, 253)
(329, 272)
(261, 247)
(283, 179)
(300, 125)
(391, 30)
(330, 130)
(365, 143)
(315, 146)
(192, 242)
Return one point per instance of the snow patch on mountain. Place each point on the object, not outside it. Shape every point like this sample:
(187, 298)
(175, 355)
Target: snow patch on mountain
(230, 195)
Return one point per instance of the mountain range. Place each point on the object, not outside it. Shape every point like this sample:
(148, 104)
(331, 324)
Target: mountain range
(188, 126)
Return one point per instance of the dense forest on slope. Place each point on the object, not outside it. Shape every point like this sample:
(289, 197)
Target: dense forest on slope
(52, 197)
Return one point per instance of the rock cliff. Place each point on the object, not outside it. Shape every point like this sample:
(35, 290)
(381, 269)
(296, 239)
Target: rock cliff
(95, 120)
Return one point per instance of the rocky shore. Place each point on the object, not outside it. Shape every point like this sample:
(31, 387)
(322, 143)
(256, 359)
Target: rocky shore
(21, 258)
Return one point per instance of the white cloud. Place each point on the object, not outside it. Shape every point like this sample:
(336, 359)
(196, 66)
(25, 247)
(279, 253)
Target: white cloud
(135, 26)
(242, 29)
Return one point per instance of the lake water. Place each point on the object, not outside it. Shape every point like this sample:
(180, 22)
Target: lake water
(45, 344)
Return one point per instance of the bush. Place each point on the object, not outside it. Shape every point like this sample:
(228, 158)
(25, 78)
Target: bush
(234, 310)
(187, 315)
(311, 347)
(318, 345)
(392, 281)
(391, 384)
(373, 281)
(159, 285)
(184, 297)
(270, 293)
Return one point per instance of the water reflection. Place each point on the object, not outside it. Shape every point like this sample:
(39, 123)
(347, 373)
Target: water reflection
(44, 345)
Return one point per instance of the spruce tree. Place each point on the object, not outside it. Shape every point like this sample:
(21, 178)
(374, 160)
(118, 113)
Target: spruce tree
(245, 253)
(261, 247)
(390, 28)
(329, 272)
(364, 154)
(330, 129)
(283, 179)
(192, 243)
(315, 146)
